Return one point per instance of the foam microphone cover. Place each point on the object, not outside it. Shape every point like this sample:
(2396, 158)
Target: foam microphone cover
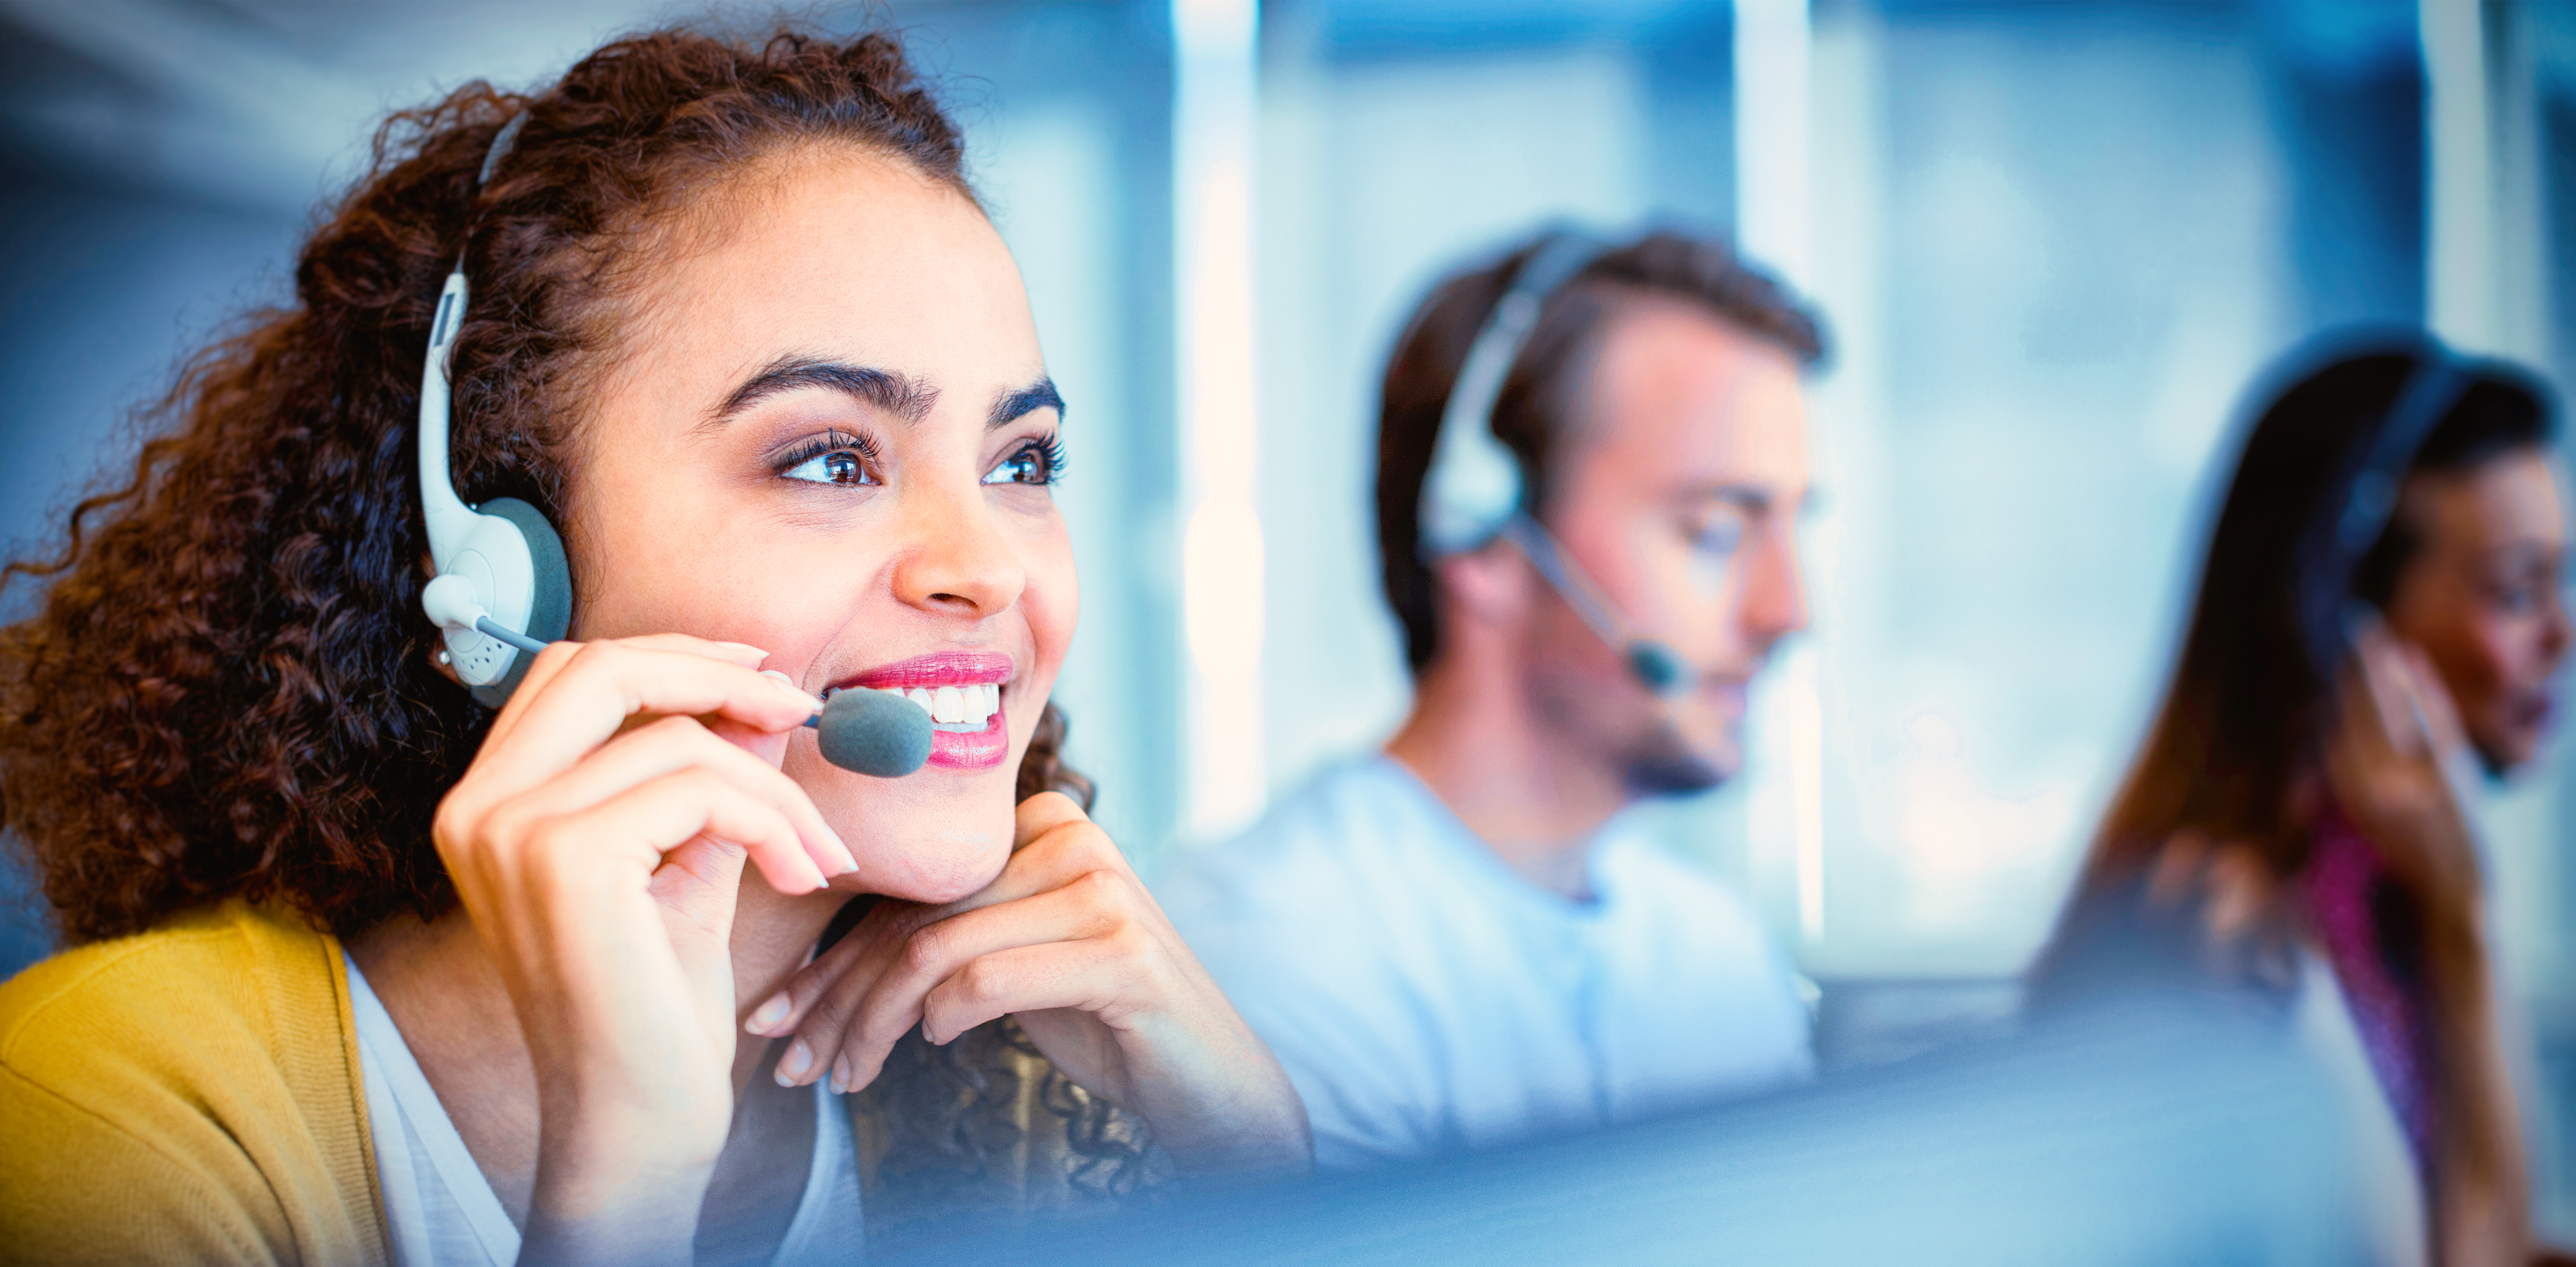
(1658, 667)
(873, 732)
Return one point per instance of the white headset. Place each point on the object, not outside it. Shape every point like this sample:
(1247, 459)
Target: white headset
(1474, 491)
(502, 589)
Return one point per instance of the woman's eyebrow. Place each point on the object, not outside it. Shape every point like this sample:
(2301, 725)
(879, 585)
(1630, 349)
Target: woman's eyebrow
(885, 389)
(1013, 406)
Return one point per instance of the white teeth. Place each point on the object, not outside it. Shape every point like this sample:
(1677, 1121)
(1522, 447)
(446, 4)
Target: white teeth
(961, 707)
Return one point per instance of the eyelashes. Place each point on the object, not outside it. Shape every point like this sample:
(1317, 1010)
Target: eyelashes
(844, 460)
(1039, 463)
(835, 457)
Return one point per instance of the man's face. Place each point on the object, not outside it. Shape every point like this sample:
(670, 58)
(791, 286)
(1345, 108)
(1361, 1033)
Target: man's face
(1678, 493)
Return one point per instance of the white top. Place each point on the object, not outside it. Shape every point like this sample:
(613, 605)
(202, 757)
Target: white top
(441, 1212)
(2381, 1170)
(2390, 1194)
(1425, 997)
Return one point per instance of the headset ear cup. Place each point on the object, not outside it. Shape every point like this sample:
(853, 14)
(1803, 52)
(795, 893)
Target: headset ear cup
(550, 608)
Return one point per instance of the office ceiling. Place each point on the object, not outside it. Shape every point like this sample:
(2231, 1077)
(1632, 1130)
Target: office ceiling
(265, 104)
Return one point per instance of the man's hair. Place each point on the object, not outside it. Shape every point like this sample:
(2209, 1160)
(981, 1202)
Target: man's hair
(1535, 411)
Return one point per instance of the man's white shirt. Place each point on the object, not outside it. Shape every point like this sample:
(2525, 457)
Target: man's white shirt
(1424, 997)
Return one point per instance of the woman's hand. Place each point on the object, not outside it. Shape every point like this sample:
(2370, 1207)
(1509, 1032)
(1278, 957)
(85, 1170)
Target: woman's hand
(1068, 942)
(2387, 760)
(597, 843)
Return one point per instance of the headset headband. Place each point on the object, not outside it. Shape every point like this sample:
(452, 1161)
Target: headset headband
(1474, 491)
(2367, 485)
(501, 588)
(449, 520)
(1474, 486)
(502, 143)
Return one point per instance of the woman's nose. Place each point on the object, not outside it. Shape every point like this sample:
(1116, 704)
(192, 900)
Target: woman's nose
(957, 562)
(2556, 638)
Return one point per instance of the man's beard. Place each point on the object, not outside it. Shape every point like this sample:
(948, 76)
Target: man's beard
(1660, 762)
(1651, 757)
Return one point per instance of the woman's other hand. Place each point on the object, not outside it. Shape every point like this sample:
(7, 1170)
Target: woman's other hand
(2387, 759)
(597, 842)
(1067, 941)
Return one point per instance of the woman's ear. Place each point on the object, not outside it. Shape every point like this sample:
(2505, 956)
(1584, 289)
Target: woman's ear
(438, 649)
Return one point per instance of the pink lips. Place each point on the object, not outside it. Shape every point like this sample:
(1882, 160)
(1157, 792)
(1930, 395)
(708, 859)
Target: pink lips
(943, 668)
(976, 750)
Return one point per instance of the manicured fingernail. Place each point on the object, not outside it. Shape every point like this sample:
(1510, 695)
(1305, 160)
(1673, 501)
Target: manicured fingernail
(770, 1013)
(793, 1065)
(849, 859)
(790, 683)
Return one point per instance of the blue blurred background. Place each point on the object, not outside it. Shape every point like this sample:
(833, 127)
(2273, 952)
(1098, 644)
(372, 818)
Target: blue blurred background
(2054, 242)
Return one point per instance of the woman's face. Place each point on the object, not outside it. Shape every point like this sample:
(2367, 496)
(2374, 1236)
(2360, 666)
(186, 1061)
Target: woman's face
(2484, 596)
(829, 433)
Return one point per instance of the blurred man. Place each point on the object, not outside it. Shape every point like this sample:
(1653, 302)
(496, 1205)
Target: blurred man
(1455, 943)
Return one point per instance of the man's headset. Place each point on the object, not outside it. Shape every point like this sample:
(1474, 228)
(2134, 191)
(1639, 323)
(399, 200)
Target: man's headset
(1474, 491)
(502, 589)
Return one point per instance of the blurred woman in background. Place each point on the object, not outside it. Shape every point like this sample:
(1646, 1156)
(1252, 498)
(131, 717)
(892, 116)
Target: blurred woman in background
(366, 970)
(2382, 602)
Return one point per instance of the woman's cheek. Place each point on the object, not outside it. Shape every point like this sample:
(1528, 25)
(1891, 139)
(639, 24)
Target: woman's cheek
(1052, 602)
(2532, 660)
(2498, 653)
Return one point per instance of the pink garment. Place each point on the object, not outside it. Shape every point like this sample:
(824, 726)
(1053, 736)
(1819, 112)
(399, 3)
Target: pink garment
(2340, 888)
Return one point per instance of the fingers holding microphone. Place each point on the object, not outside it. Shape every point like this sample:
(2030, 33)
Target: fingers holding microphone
(604, 768)
(595, 718)
(597, 842)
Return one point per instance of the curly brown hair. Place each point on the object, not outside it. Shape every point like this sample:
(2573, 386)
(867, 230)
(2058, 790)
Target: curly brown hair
(229, 689)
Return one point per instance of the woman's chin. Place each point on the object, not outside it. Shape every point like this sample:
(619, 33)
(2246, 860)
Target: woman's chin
(935, 864)
(933, 837)
(932, 884)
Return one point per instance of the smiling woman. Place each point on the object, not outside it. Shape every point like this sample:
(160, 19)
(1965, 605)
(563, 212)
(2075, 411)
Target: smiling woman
(368, 970)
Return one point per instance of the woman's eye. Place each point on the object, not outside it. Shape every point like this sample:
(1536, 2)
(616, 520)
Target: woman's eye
(844, 467)
(1032, 464)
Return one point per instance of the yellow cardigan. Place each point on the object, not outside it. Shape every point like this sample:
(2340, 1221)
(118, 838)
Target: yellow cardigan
(192, 1095)
(187, 1095)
